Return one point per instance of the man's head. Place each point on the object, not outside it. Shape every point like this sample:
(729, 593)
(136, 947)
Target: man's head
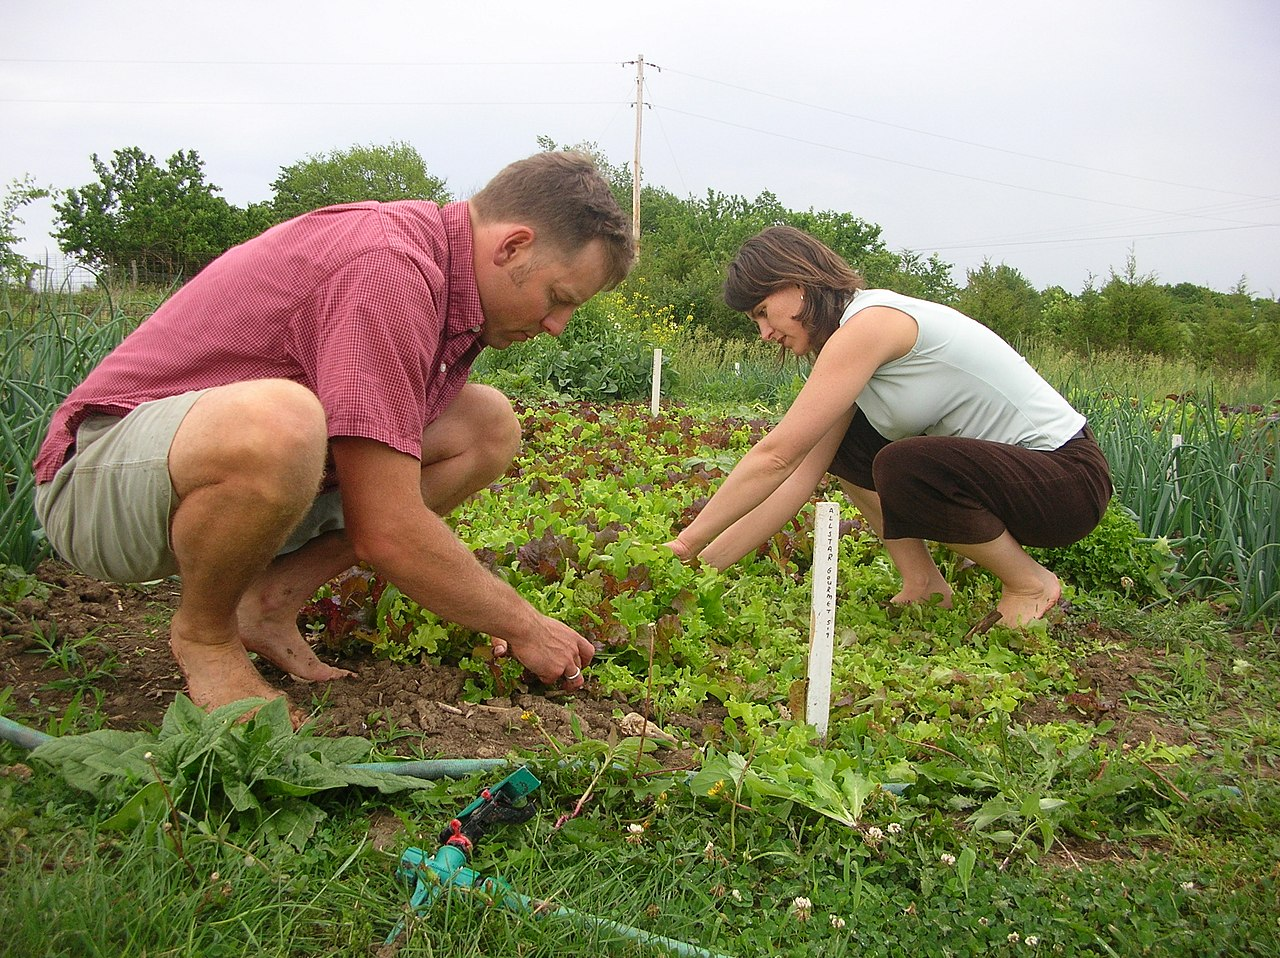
(548, 235)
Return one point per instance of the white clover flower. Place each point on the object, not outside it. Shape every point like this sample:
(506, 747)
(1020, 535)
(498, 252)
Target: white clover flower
(1126, 583)
(874, 835)
(1014, 937)
(837, 921)
(802, 908)
(146, 756)
(735, 895)
(984, 921)
(709, 852)
(1032, 941)
(947, 859)
(895, 828)
(1188, 886)
(635, 828)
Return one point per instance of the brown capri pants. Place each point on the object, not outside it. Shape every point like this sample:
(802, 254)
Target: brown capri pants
(956, 490)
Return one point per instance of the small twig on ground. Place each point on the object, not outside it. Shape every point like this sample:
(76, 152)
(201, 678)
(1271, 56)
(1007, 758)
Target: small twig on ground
(175, 821)
(988, 621)
(578, 806)
(1158, 774)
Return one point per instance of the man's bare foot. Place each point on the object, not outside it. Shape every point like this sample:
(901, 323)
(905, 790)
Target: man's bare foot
(1018, 609)
(280, 643)
(219, 674)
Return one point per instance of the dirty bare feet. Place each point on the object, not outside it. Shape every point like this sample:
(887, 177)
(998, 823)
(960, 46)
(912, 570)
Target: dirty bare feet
(939, 597)
(218, 674)
(276, 638)
(1018, 608)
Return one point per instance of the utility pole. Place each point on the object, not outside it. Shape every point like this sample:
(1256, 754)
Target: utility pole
(635, 165)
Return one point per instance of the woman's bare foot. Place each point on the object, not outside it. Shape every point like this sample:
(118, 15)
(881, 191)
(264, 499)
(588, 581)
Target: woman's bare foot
(1018, 609)
(941, 597)
(279, 642)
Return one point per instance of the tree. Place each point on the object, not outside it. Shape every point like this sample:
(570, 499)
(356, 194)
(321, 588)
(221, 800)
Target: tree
(393, 172)
(14, 267)
(1001, 299)
(140, 220)
(1141, 312)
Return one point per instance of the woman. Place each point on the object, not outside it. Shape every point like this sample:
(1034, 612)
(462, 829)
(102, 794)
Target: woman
(936, 428)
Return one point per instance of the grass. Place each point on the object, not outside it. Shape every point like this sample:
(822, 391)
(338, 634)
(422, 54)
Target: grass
(1196, 879)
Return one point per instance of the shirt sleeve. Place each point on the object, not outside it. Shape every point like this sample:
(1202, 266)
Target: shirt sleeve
(377, 334)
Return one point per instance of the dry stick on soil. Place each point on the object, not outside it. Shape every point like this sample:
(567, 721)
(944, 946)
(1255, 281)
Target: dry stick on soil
(578, 806)
(1156, 772)
(988, 621)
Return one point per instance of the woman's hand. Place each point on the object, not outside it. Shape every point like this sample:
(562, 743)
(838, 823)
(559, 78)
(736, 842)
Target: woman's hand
(681, 550)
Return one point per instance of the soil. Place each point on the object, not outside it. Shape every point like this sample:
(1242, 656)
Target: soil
(121, 640)
(120, 634)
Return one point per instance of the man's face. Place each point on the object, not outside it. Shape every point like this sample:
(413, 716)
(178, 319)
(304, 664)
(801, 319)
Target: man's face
(537, 292)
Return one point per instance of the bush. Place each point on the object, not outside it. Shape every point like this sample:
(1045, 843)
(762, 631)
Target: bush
(1115, 557)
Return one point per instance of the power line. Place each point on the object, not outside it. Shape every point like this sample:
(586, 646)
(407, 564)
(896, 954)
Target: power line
(1097, 239)
(109, 61)
(934, 169)
(326, 103)
(955, 139)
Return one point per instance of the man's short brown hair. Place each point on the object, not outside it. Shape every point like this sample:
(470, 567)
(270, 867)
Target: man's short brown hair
(563, 196)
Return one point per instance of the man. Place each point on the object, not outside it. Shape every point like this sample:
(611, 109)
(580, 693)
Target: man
(301, 405)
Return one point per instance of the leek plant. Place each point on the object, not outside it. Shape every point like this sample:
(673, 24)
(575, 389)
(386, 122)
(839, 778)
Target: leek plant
(1204, 478)
(44, 353)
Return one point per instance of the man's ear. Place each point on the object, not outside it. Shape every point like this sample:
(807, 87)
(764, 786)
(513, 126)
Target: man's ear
(512, 242)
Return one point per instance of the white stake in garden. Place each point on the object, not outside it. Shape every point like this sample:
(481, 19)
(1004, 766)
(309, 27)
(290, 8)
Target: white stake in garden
(822, 616)
(657, 382)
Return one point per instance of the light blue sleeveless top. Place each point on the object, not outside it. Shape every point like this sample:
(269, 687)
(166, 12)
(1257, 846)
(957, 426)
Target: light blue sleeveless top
(960, 379)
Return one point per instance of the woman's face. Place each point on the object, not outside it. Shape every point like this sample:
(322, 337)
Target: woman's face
(776, 316)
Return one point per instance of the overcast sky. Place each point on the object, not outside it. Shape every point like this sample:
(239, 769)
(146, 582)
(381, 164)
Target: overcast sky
(1055, 137)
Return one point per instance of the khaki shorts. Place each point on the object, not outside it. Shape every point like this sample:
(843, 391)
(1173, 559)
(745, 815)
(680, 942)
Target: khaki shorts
(109, 510)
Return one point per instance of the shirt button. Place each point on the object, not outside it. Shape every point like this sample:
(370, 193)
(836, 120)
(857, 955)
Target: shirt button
(476, 329)
(444, 367)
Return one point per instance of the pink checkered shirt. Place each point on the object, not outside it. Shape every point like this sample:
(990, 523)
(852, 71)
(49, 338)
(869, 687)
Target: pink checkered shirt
(371, 306)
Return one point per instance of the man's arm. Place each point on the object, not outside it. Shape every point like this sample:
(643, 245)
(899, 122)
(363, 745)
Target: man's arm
(392, 529)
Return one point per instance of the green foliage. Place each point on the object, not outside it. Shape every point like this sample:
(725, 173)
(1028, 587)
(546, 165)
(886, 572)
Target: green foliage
(41, 360)
(1115, 557)
(1202, 476)
(1001, 299)
(392, 172)
(216, 764)
(15, 268)
(144, 221)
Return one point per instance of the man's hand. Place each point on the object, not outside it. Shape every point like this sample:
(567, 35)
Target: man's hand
(555, 653)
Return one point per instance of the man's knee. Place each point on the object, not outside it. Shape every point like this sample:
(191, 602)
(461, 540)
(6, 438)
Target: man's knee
(480, 422)
(498, 422)
(271, 429)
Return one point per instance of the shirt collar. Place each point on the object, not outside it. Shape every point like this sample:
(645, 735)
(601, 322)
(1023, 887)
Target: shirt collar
(463, 314)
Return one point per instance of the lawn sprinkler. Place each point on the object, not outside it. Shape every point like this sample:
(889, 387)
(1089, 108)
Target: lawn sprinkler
(447, 871)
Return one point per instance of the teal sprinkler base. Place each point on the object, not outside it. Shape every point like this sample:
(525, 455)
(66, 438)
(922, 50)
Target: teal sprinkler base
(447, 869)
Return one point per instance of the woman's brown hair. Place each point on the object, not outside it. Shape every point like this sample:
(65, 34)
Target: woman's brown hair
(782, 256)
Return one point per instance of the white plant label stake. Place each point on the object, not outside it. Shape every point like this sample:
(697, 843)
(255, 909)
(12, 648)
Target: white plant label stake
(822, 617)
(657, 382)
